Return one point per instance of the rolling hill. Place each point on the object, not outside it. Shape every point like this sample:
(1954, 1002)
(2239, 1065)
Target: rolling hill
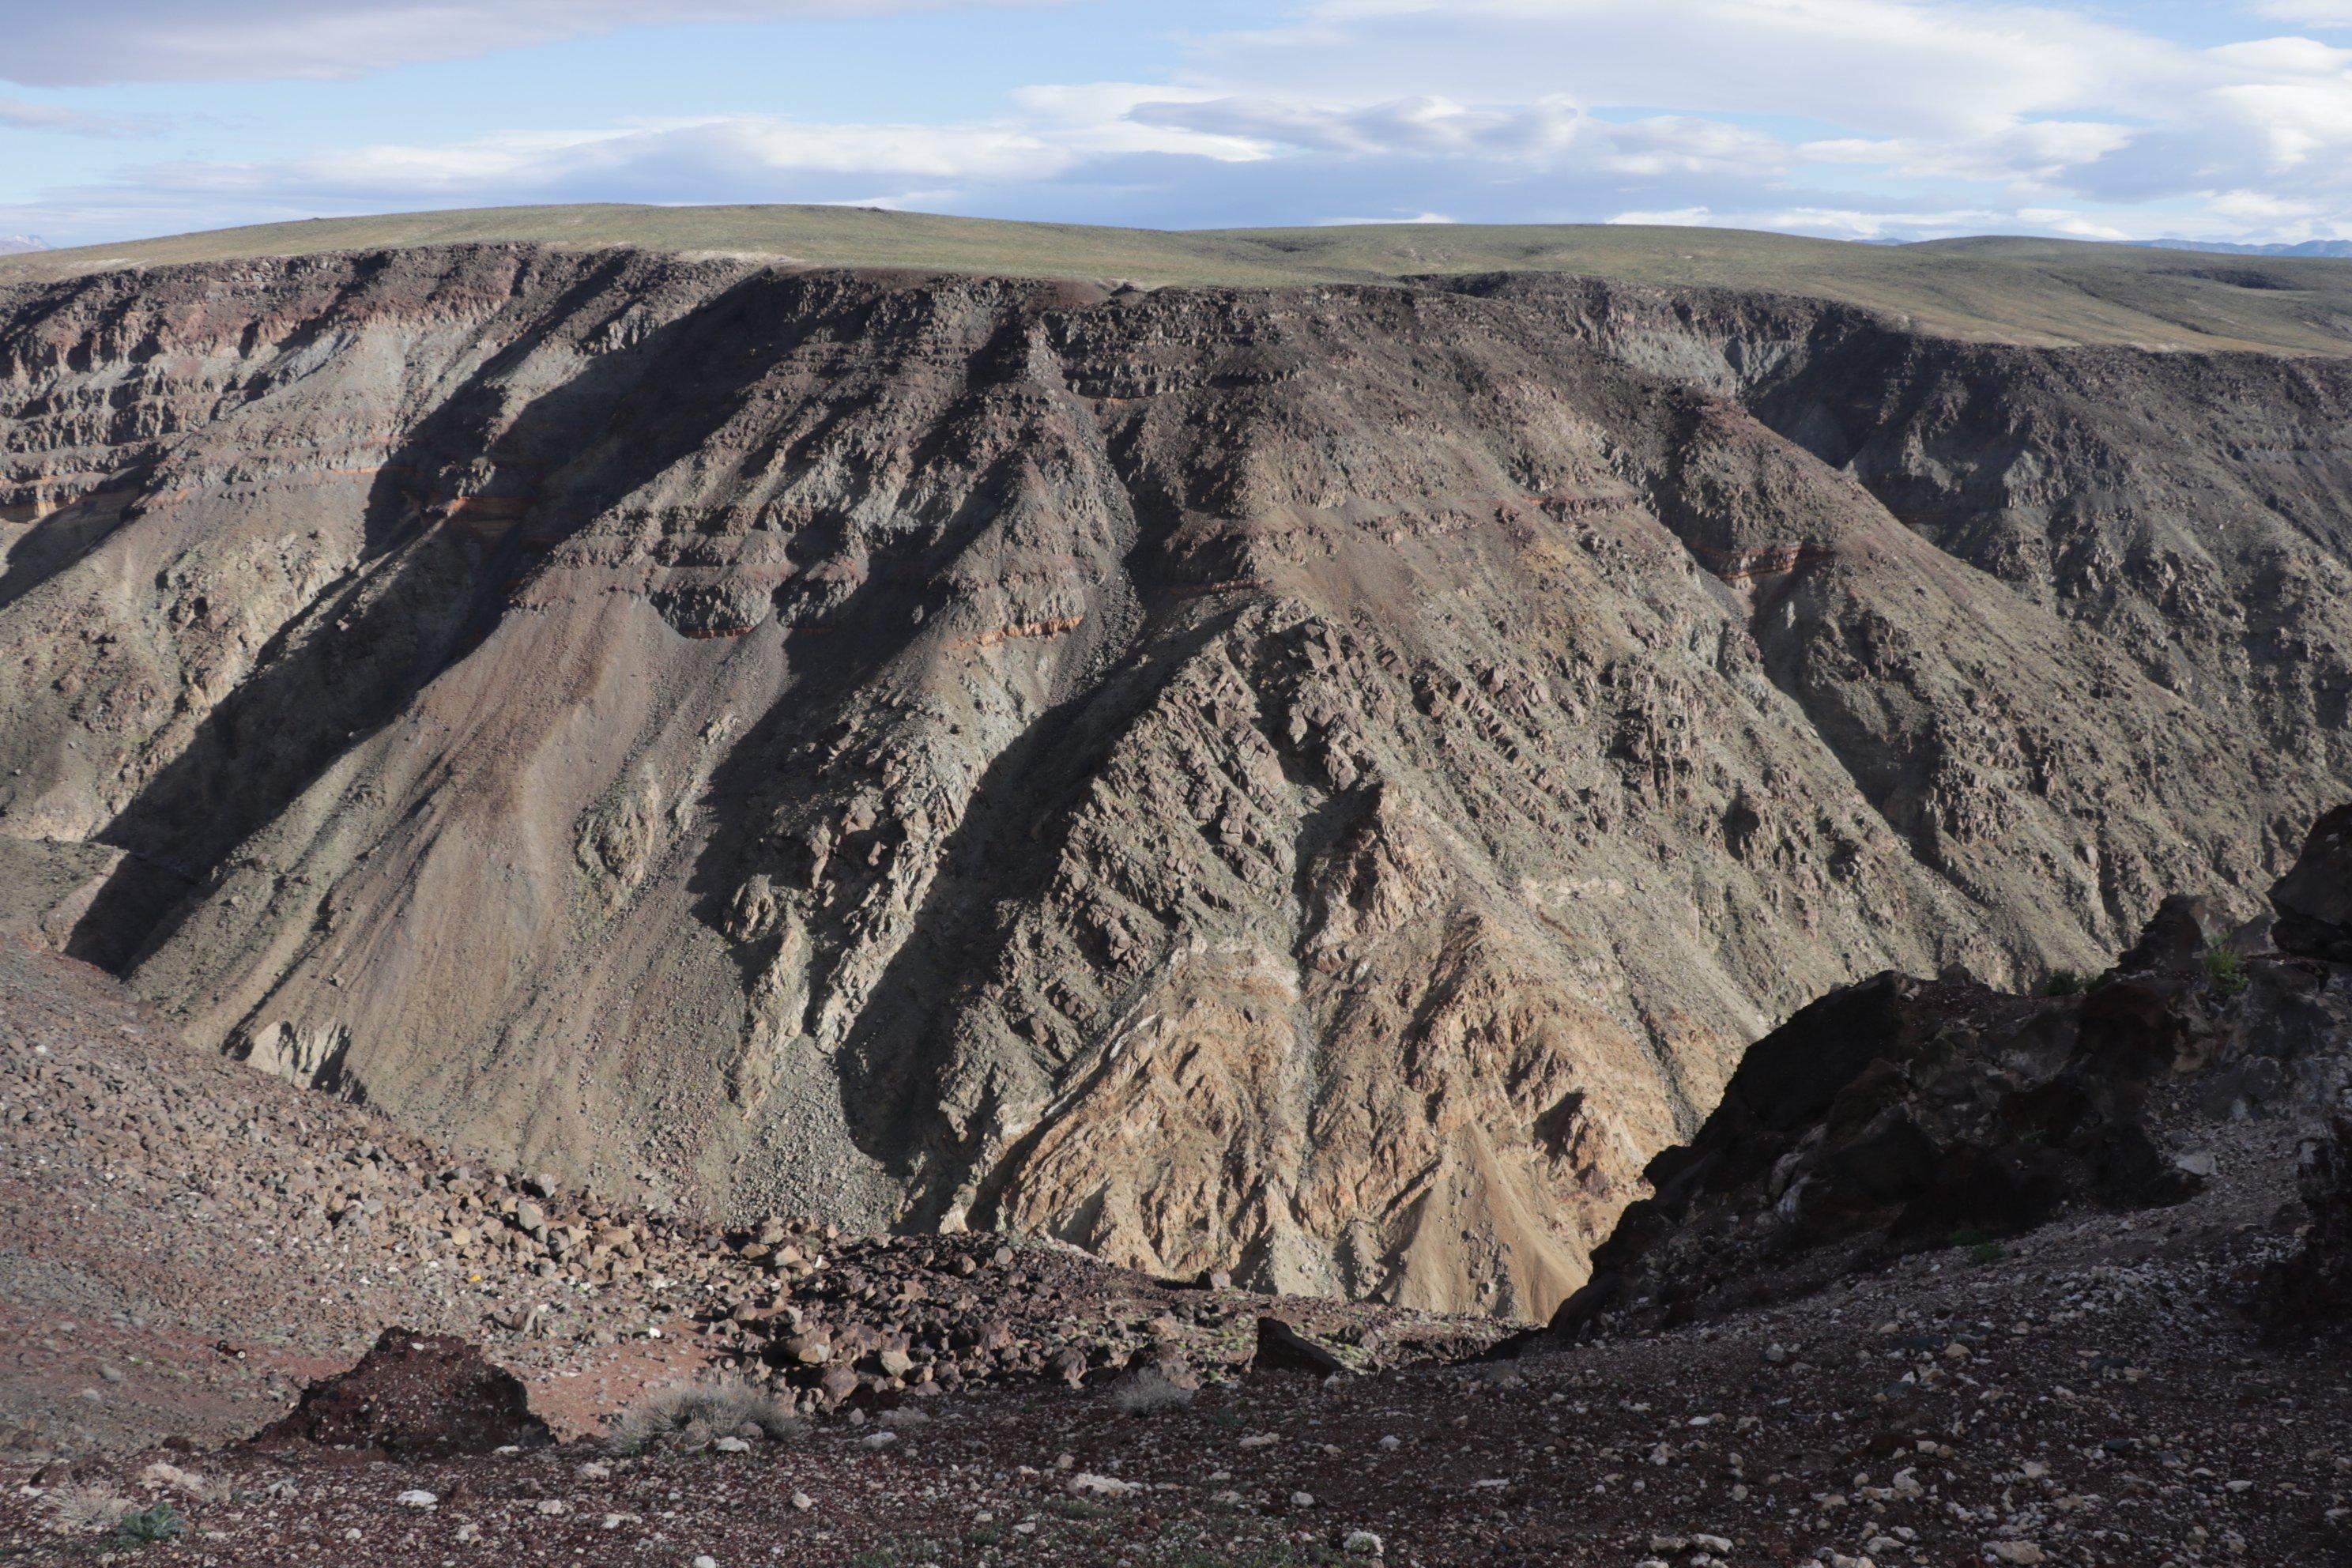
(2028, 291)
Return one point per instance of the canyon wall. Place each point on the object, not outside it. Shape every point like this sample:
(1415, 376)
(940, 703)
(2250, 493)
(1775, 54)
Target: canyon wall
(1319, 781)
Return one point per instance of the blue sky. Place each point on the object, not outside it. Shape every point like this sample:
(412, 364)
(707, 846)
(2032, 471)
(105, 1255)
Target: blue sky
(1866, 118)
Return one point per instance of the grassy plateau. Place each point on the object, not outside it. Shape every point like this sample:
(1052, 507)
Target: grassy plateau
(2009, 289)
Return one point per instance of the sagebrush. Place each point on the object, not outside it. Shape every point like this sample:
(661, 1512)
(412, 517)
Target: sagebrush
(1147, 1393)
(696, 1414)
(83, 1507)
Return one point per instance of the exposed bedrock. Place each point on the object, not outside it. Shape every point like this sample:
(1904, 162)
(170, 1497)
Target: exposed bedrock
(1317, 782)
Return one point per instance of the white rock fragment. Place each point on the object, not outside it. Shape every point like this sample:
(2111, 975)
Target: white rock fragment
(1086, 1482)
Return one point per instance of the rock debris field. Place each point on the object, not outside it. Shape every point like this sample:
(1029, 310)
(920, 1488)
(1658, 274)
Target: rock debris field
(188, 1243)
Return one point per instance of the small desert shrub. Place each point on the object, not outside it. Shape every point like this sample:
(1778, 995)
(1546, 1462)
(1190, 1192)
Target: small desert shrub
(149, 1526)
(2062, 983)
(696, 1414)
(80, 1507)
(1984, 1252)
(163, 1474)
(2223, 970)
(1146, 1393)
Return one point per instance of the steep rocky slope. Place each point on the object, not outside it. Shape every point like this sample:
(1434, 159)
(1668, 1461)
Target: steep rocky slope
(183, 1243)
(1897, 1117)
(1319, 781)
(2050, 1397)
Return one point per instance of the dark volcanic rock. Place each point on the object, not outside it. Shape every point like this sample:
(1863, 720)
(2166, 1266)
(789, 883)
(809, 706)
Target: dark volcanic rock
(1901, 1113)
(1281, 1348)
(2315, 1285)
(2175, 940)
(413, 1396)
(2314, 898)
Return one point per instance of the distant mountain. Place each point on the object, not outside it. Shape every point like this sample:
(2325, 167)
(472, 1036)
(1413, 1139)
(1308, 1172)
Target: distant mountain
(14, 244)
(2304, 247)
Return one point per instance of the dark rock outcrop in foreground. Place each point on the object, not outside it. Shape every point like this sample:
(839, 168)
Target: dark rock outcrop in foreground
(2314, 898)
(1899, 1114)
(413, 1395)
(2314, 1286)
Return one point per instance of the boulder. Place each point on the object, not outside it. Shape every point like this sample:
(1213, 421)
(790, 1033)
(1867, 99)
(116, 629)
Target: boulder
(413, 1395)
(2313, 900)
(2174, 940)
(1281, 1348)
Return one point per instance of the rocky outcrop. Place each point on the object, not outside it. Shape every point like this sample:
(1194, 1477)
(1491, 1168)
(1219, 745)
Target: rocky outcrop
(413, 1396)
(2313, 900)
(1321, 783)
(2311, 1287)
(1900, 1114)
(1895, 1115)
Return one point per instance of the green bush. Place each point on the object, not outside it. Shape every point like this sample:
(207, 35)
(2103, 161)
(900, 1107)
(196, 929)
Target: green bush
(2222, 969)
(2062, 983)
(149, 1526)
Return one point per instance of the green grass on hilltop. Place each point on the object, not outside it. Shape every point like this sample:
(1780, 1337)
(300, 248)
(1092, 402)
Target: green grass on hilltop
(2008, 290)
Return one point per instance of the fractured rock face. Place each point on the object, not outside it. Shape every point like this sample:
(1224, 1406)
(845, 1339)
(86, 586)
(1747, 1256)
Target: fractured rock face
(1321, 783)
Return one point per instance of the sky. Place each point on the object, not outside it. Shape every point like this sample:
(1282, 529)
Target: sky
(2225, 120)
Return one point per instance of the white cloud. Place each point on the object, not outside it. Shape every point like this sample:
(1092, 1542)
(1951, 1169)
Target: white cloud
(1672, 217)
(1872, 119)
(19, 114)
(2013, 105)
(2308, 13)
(1834, 223)
(636, 160)
(79, 42)
(1359, 221)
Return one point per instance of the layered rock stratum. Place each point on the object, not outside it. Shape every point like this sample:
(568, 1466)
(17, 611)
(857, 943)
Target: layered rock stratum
(1322, 783)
